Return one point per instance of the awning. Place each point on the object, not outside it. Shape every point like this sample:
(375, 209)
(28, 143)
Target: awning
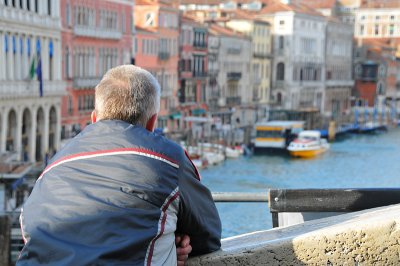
(198, 111)
(175, 116)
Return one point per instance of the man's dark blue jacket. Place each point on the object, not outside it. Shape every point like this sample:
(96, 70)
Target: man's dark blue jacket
(116, 195)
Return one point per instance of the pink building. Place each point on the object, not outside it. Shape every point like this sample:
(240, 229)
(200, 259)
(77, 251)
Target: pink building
(193, 68)
(96, 36)
(157, 51)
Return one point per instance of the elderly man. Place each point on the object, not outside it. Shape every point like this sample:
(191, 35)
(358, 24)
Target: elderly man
(119, 194)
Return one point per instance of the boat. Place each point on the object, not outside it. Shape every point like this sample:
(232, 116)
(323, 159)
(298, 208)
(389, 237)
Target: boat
(276, 135)
(233, 152)
(308, 144)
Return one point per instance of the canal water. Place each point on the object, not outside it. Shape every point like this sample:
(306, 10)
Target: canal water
(356, 161)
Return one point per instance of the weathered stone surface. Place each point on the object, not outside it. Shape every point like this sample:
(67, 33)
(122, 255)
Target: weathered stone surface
(369, 237)
(4, 240)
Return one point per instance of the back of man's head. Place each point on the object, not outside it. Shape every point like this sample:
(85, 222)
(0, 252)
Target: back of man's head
(127, 93)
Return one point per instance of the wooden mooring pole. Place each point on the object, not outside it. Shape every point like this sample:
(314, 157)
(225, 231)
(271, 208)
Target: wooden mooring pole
(4, 240)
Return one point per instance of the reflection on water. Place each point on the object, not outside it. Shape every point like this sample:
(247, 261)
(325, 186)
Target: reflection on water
(355, 162)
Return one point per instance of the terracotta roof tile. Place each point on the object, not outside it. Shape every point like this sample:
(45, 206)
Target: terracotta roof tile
(216, 29)
(277, 6)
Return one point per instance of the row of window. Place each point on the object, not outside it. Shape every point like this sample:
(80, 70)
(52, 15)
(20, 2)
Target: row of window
(307, 73)
(29, 5)
(197, 65)
(378, 17)
(85, 63)
(165, 20)
(21, 56)
(384, 30)
(86, 16)
(338, 72)
(195, 38)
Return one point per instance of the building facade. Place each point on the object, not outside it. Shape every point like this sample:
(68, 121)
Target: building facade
(162, 17)
(298, 69)
(260, 33)
(31, 83)
(96, 36)
(338, 66)
(193, 69)
(375, 69)
(374, 21)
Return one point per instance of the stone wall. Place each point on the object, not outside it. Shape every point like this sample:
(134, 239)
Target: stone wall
(370, 237)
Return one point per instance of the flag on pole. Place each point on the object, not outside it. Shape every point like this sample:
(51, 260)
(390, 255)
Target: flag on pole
(32, 69)
(39, 75)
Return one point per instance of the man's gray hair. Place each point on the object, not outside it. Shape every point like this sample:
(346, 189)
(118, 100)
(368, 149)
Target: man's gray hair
(127, 93)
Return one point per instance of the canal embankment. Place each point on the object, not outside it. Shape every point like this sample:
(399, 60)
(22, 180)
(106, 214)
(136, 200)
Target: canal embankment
(368, 237)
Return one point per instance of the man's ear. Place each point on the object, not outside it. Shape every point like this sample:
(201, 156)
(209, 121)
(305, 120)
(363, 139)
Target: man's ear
(93, 117)
(151, 124)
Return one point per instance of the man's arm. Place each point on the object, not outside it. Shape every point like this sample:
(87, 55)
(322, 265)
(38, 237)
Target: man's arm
(198, 217)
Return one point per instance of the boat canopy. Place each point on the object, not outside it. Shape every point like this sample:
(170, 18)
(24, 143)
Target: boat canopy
(310, 134)
(279, 124)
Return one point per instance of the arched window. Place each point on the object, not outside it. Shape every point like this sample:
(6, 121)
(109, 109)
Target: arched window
(279, 98)
(280, 73)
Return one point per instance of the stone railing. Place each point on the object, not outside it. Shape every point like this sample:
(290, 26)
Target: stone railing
(360, 238)
(15, 89)
(97, 32)
(17, 15)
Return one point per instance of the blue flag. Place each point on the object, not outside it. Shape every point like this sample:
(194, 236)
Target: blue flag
(39, 75)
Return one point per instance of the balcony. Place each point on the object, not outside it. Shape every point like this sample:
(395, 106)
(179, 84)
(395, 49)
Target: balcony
(97, 32)
(233, 101)
(262, 55)
(234, 75)
(84, 83)
(200, 45)
(199, 74)
(340, 83)
(30, 18)
(16, 89)
(163, 55)
(278, 84)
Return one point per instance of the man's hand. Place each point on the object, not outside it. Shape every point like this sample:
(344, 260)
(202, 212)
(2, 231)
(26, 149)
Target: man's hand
(183, 248)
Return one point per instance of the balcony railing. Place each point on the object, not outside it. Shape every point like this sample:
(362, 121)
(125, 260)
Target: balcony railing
(163, 55)
(278, 84)
(15, 89)
(232, 101)
(201, 45)
(97, 32)
(199, 74)
(28, 17)
(261, 55)
(234, 75)
(81, 83)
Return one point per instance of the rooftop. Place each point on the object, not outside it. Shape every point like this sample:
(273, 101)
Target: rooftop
(275, 6)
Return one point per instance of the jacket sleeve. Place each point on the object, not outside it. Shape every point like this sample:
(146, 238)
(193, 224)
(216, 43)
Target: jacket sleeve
(198, 217)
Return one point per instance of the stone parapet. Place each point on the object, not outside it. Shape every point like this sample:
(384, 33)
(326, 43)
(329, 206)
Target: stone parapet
(368, 237)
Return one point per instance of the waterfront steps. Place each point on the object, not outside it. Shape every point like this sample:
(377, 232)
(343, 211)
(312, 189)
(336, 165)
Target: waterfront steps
(369, 237)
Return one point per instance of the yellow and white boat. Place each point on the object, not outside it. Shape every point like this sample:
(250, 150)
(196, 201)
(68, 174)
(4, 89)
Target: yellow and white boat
(308, 144)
